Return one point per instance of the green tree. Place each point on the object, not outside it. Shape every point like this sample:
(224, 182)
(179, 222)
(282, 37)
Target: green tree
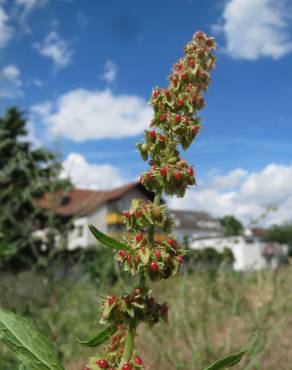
(281, 234)
(26, 174)
(231, 226)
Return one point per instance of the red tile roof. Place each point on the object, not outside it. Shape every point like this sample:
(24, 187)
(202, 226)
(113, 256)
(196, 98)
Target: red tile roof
(83, 202)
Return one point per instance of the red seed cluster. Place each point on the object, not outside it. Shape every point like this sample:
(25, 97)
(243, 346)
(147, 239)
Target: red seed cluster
(175, 121)
(151, 250)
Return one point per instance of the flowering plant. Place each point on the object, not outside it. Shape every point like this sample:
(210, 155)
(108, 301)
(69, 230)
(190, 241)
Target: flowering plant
(175, 123)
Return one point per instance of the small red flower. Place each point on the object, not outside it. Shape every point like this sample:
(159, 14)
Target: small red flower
(158, 255)
(138, 213)
(183, 76)
(150, 175)
(126, 298)
(138, 361)
(196, 129)
(199, 35)
(153, 266)
(163, 117)
(103, 364)
(178, 176)
(152, 134)
(190, 171)
(180, 259)
(129, 258)
(161, 138)
(139, 238)
(180, 102)
(171, 242)
(156, 93)
(122, 253)
(163, 171)
(167, 93)
(126, 214)
(127, 366)
(111, 300)
(201, 100)
(177, 119)
(174, 80)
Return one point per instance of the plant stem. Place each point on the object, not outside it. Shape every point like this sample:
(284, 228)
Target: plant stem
(157, 198)
(129, 343)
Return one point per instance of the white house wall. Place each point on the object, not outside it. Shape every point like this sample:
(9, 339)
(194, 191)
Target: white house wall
(98, 219)
(76, 240)
(248, 256)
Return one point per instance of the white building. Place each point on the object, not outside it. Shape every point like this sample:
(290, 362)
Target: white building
(103, 209)
(251, 251)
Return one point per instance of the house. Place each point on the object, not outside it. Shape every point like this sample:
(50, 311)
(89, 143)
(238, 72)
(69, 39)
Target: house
(190, 225)
(252, 251)
(100, 208)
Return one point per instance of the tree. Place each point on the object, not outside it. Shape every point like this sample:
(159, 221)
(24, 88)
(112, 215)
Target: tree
(281, 234)
(231, 226)
(26, 173)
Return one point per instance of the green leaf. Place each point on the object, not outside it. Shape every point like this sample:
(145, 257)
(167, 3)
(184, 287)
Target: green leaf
(108, 241)
(99, 338)
(227, 361)
(27, 342)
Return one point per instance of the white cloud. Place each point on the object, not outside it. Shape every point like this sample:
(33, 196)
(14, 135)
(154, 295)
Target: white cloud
(30, 5)
(249, 198)
(91, 176)
(5, 30)
(257, 28)
(10, 82)
(231, 180)
(55, 48)
(82, 115)
(110, 71)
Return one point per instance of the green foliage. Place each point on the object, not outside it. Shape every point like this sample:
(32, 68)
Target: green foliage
(100, 337)
(26, 174)
(231, 226)
(30, 346)
(108, 241)
(209, 258)
(227, 361)
(281, 234)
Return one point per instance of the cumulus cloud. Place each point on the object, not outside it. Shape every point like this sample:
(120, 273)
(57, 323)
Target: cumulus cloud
(110, 71)
(10, 82)
(82, 115)
(55, 48)
(257, 28)
(265, 195)
(5, 30)
(91, 176)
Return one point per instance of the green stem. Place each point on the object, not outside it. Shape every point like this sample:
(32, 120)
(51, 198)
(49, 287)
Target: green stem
(157, 198)
(127, 354)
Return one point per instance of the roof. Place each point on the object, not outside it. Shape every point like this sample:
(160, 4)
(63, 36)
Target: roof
(260, 232)
(194, 220)
(83, 202)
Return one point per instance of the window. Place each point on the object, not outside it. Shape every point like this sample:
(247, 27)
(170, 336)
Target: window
(80, 230)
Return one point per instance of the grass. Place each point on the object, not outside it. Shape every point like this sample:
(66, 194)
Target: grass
(211, 314)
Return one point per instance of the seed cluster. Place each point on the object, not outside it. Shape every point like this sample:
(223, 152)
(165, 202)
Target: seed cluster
(175, 123)
(175, 120)
(155, 259)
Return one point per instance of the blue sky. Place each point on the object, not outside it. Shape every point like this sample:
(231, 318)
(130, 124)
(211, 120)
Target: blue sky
(83, 72)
